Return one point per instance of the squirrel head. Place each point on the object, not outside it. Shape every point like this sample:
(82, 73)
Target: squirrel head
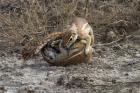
(69, 38)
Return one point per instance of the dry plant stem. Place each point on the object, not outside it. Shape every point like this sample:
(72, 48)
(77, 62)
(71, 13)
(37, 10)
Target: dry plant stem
(119, 21)
(113, 42)
(75, 7)
(116, 83)
(86, 8)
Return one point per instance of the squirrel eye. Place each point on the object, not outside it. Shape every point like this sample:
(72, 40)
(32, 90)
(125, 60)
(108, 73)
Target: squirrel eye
(70, 39)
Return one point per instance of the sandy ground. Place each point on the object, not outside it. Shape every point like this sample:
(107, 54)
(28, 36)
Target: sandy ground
(115, 69)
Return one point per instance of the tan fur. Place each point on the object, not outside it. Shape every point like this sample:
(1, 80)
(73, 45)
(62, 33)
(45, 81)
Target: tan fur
(82, 30)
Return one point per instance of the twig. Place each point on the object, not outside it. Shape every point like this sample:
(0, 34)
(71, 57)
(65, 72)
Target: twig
(119, 21)
(117, 83)
(86, 7)
(113, 42)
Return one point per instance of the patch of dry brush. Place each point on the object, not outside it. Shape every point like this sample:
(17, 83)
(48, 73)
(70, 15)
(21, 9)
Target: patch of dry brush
(28, 20)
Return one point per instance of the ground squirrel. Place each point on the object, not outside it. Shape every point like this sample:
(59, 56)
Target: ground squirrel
(80, 29)
(58, 49)
(78, 37)
(59, 54)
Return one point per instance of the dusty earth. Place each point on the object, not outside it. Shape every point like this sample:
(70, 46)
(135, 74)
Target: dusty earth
(115, 69)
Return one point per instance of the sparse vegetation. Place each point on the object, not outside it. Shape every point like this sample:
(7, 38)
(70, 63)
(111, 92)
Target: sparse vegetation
(116, 63)
(32, 17)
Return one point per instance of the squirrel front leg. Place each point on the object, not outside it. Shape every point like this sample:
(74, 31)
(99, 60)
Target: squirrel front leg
(88, 44)
(91, 35)
(92, 39)
(90, 56)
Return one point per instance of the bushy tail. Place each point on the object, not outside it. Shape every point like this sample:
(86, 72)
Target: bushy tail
(31, 49)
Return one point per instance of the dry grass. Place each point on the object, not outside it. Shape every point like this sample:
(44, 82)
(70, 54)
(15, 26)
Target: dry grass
(34, 17)
(31, 21)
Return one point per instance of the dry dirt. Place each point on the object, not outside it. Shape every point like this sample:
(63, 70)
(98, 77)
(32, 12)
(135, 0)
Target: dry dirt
(115, 69)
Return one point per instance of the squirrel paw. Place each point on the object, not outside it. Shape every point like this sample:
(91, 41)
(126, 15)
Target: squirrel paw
(87, 50)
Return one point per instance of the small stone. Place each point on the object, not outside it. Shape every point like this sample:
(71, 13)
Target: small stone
(137, 55)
